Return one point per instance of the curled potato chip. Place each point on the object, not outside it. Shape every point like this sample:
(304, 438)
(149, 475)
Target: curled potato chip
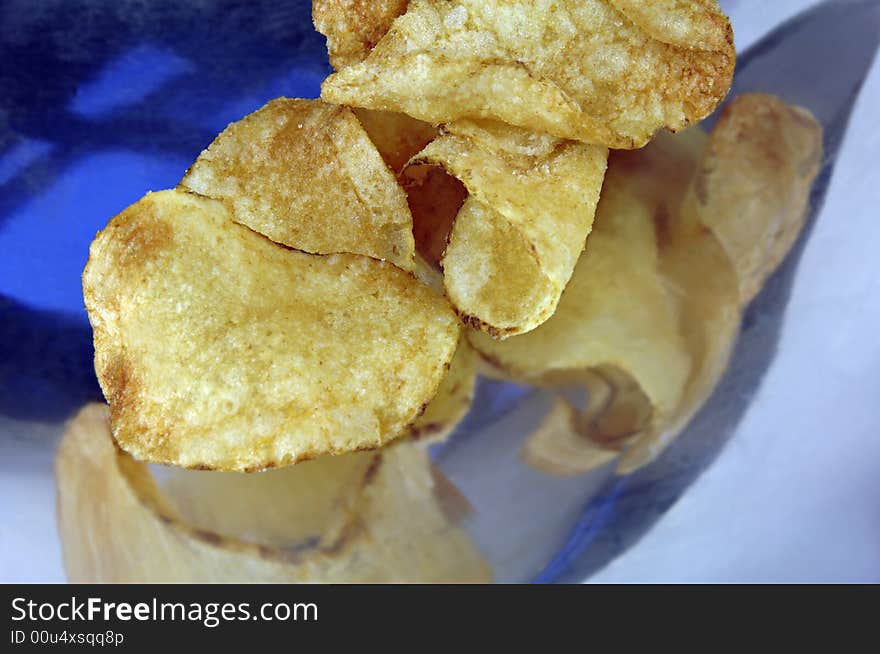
(752, 189)
(361, 517)
(615, 310)
(704, 242)
(353, 27)
(305, 174)
(397, 136)
(517, 236)
(599, 71)
(704, 283)
(618, 330)
(290, 507)
(435, 198)
(217, 348)
(701, 276)
(557, 446)
(751, 192)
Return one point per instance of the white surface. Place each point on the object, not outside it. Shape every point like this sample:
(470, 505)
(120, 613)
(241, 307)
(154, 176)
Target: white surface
(795, 496)
(29, 547)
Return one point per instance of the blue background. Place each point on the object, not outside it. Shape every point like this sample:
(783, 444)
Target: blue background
(102, 102)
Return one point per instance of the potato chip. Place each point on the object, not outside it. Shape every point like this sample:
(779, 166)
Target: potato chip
(660, 174)
(453, 399)
(306, 175)
(217, 348)
(379, 517)
(617, 331)
(700, 274)
(615, 310)
(435, 197)
(703, 281)
(713, 243)
(557, 447)
(697, 24)
(598, 71)
(353, 27)
(530, 206)
(289, 507)
(397, 136)
(752, 189)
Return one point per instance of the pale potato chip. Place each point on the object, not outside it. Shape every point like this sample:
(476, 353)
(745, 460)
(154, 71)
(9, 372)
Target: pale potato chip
(306, 175)
(530, 206)
(428, 274)
(617, 330)
(715, 248)
(289, 507)
(660, 174)
(557, 447)
(753, 187)
(701, 276)
(379, 517)
(751, 191)
(598, 71)
(619, 417)
(217, 348)
(615, 311)
(353, 27)
(397, 136)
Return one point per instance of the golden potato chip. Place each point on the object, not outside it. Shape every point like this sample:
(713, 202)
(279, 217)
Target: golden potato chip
(492, 277)
(515, 241)
(379, 517)
(435, 198)
(697, 24)
(397, 136)
(306, 175)
(218, 349)
(456, 392)
(598, 71)
(753, 188)
(353, 27)
(453, 399)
